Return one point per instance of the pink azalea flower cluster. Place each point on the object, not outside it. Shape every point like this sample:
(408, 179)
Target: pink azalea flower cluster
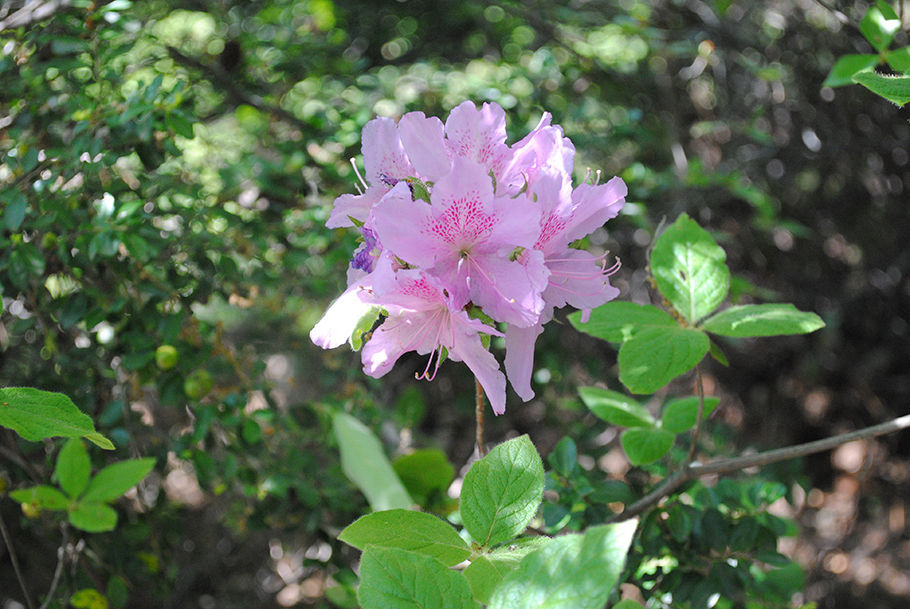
(458, 229)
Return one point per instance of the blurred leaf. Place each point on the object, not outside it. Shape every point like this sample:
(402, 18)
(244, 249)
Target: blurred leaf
(879, 25)
(45, 497)
(425, 473)
(73, 467)
(681, 414)
(899, 59)
(88, 598)
(392, 578)
(895, 89)
(655, 356)
(615, 408)
(645, 446)
(689, 269)
(502, 492)
(365, 463)
(846, 66)
(407, 530)
(617, 321)
(570, 572)
(14, 214)
(762, 320)
(114, 480)
(93, 517)
(564, 457)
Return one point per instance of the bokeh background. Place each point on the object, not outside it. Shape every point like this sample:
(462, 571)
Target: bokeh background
(167, 170)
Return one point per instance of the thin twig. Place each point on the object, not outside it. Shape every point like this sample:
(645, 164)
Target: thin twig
(15, 560)
(478, 416)
(58, 571)
(700, 388)
(723, 466)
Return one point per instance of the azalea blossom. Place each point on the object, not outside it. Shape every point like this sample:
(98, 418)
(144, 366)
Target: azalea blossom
(461, 232)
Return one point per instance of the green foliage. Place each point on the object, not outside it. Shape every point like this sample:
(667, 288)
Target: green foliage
(573, 571)
(426, 474)
(84, 497)
(365, 463)
(392, 578)
(895, 89)
(690, 273)
(36, 415)
(501, 492)
(407, 530)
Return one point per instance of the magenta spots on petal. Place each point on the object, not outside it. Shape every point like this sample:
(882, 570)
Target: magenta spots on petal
(463, 223)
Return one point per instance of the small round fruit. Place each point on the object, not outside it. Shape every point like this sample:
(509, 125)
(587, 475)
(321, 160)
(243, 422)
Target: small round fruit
(198, 384)
(166, 357)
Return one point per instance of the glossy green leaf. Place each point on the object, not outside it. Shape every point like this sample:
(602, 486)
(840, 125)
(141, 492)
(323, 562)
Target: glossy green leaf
(564, 457)
(689, 269)
(616, 321)
(615, 408)
(681, 414)
(409, 530)
(392, 578)
(365, 463)
(570, 572)
(654, 357)
(645, 446)
(73, 467)
(44, 497)
(879, 25)
(899, 59)
(486, 571)
(502, 491)
(895, 89)
(425, 473)
(762, 320)
(846, 66)
(114, 480)
(93, 517)
(36, 414)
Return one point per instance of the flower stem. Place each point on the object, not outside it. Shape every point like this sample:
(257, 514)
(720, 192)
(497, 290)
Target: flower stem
(700, 388)
(478, 416)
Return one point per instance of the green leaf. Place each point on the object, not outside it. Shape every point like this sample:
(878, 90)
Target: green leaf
(426, 474)
(25, 265)
(879, 26)
(363, 327)
(88, 598)
(486, 571)
(654, 357)
(645, 446)
(895, 89)
(44, 497)
(615, 408)
(846, 66)
(365, 463)
(564, 457)
(617, 321)
(179, 123)
(570, 572)
(73, 467)
(762, 320)
(681, 414)
(689, 269)
(627, 603)
(502, 491)
(392, 578)
(36, 415)
(899, 59)
(14, 214)
(98, 440)
(93, 517)
(408, 530)
(114, 480)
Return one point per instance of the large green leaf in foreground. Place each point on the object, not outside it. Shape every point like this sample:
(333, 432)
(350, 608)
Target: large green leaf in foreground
(408, 530)
(571, 572)
(762, 320)
(392, 578)
(502, 491)
(655, 356)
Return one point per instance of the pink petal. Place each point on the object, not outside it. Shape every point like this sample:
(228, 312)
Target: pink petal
(424, 140)
(342, 316)
(398, 222)
(594, 205)
(384, 157)
(577, 278)
(354, 206)
(508, 290)
(479, 135)
(520, 358)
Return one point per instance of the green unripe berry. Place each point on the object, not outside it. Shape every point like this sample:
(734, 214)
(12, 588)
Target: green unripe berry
(198, 384)
(166, 357)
